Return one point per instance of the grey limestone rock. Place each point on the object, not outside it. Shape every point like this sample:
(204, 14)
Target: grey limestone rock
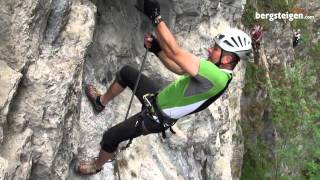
(204, 147)
(51, 48)
(9, 81)
(45, 110)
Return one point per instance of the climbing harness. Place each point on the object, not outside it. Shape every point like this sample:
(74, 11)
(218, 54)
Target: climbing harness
(153, 111)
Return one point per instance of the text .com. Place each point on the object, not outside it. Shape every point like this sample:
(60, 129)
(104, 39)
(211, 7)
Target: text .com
(287, 15)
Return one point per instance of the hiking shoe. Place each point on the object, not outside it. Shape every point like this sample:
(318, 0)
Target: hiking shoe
(94, 96)
(87, 168)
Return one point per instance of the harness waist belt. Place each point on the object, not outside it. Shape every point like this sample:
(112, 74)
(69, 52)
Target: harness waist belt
(151, 100)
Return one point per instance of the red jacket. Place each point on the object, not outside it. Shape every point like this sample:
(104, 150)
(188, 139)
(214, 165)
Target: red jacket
(256, 35)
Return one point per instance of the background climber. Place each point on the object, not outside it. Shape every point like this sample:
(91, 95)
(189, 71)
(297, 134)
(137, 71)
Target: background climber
(296, 38)
(256, 36)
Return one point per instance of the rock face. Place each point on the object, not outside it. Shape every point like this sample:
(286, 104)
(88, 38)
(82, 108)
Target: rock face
(9, 80)
(205, 146)
(46, 120)
(47, 45)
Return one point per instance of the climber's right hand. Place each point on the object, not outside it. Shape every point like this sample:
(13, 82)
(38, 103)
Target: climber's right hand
(151, 8)
(152, 44)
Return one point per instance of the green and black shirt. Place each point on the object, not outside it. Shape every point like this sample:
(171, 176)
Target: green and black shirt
(189, 94)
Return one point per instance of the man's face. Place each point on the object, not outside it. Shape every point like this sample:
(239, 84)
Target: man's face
(214, 53)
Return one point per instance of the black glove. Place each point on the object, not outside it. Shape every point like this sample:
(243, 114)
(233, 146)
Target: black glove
(155, 46)
(151, 8)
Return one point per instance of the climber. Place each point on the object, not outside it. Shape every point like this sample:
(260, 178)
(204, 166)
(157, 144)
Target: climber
(203, 81)
(256, 36)
(296, 38)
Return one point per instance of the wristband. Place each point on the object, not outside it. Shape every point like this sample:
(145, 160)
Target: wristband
(157, 21)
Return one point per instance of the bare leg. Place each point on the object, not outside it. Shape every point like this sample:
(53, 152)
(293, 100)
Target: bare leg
(103, 158)
(114, 90)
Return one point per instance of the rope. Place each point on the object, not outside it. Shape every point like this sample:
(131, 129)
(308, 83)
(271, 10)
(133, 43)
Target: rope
(133, 93)
(137, 83)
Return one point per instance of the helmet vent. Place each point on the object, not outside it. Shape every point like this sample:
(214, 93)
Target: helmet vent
(220, 36)
(225, 41)
(234, 41)
(240, 41)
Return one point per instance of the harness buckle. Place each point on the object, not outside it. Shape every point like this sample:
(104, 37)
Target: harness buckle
(148, 98)
(152, 111)
(145, 98)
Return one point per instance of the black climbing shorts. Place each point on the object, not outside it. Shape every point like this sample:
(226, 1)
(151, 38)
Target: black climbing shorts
(137, 125)
(128, 75)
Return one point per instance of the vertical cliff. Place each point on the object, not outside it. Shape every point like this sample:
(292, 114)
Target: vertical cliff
(42, 55)
(51, 48)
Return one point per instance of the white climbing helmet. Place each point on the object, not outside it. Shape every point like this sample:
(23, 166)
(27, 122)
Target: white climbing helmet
(236, 41)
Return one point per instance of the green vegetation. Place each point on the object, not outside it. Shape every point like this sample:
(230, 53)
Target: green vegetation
(248, 18)
(256, 165)
(274, 6)
(295, 114)
(302, 24)
(315, 51)
(256, 77)
(290, 111)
